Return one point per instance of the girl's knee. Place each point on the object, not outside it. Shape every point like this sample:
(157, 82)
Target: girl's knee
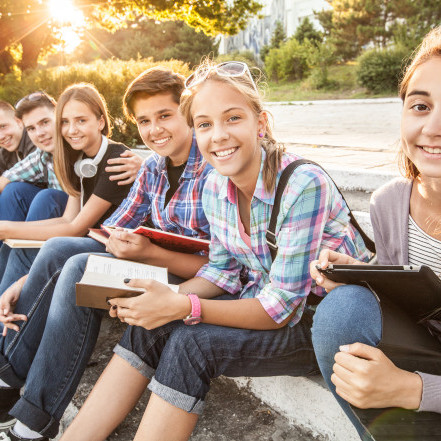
(347, 314)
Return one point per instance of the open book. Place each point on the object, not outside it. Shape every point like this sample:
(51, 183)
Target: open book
(169, 241)
(104, 277)
(24, 243)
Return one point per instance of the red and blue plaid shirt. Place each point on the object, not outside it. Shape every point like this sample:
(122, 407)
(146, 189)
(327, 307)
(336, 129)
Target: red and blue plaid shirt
(145, 203)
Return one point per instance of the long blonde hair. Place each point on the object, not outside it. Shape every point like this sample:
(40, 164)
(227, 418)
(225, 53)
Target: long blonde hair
(429, 48)
(64, 155)
(244, 85)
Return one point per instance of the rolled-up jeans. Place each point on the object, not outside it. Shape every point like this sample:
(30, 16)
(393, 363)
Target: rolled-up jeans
(350, 314)
(181, 360)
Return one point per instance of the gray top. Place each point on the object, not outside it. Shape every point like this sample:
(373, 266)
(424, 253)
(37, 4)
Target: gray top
(390, 215)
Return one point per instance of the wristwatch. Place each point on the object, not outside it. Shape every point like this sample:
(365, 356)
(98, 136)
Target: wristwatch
(195, 315)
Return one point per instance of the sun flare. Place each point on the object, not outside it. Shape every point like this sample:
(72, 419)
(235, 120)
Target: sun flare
(72, 23)
(65, 12)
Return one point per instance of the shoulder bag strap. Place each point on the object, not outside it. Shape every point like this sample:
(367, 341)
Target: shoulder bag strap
(284, 178)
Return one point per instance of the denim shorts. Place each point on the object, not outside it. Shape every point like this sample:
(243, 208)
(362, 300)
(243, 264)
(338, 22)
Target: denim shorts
(181, 360)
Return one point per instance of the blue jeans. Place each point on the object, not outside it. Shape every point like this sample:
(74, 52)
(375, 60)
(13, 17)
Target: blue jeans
(21, 201)
(350, 314)
(50, 352)
(181, 360)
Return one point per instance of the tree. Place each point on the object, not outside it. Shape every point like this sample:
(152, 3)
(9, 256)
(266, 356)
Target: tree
(28, 22)
(277, 38)
(306, 30)
(352, 24)
(144, 39)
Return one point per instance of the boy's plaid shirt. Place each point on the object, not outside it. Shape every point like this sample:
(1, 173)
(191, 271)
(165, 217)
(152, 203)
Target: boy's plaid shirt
(145, 203)
(36, 168)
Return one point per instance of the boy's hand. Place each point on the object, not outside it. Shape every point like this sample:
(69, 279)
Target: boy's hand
(130, 246)
(127, 165)
(7, 304)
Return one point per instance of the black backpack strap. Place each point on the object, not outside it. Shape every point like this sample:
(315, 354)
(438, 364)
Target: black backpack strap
(284, 178)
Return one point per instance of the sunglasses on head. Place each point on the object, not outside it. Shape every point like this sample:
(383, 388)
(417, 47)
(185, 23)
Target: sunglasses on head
(226, 69)
(35, 96)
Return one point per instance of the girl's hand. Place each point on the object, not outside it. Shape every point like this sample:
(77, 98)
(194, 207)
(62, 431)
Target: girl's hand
(366, 378)
(125, 245)
(7, 304)
(325, 258)
(157, 306)
(127, 165)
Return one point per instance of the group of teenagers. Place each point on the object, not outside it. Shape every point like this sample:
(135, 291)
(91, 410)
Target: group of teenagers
(240, 310)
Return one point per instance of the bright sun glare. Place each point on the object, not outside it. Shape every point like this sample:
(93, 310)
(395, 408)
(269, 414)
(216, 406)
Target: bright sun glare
(64, 12)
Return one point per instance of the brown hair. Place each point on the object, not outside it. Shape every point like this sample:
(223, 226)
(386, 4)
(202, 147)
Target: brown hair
(153, 81)
(64, 155)
(33, 101)
(244, 85)
(429, 48)
(6, 107)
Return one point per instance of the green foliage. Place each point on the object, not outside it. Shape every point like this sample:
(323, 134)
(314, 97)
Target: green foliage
(306, 31)
(380, 70)
(288, 62)
(351, 25)
(278, 37)
(111, 77)
(29, 23)
(145, 38)
(321, 57)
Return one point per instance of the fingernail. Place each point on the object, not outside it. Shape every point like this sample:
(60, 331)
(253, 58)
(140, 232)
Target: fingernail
(114, 307)
(126, 280)
(319, 279)
(5, 311)
(344, 348)
(322, 264)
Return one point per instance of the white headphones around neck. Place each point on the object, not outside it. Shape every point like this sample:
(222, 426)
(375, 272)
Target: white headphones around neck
(87, 168)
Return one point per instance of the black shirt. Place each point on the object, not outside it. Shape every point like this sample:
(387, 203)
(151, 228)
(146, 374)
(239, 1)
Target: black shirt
(173, 173)
(101, 186)
(9, 159)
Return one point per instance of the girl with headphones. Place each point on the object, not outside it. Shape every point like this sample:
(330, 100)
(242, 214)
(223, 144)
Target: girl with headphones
(80, 159)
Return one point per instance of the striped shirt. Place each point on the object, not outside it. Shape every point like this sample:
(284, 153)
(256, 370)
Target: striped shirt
(145, 203)
(312, 216)
(423, 249)
(36, 168)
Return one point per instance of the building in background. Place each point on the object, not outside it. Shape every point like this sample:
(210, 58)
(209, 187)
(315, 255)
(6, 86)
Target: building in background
(259, 31)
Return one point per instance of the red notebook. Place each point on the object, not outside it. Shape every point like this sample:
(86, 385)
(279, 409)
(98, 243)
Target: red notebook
(169, 241)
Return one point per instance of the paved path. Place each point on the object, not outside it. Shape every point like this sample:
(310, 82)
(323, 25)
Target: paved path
(373, 124)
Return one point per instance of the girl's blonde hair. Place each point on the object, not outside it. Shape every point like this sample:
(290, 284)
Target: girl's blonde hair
(244, 85)
(64, 155)
(429, 48)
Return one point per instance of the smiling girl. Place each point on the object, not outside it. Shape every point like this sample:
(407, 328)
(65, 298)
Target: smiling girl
(349, 323)
(178, 342)
(80, 158)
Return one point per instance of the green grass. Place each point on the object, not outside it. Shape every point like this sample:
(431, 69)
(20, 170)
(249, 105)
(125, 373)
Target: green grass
(344, 80)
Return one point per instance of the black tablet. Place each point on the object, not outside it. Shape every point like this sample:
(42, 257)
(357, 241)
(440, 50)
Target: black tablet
(415, 289)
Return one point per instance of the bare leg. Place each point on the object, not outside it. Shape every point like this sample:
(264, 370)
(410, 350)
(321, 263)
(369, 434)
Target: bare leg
(164, 422)
(115, 394)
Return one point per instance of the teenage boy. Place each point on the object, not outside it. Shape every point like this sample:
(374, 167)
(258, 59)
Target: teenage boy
(33, 180)
(14, 141)
(50, 353)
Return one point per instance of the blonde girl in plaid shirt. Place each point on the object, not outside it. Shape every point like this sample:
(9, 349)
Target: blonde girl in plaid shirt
(260, 329)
